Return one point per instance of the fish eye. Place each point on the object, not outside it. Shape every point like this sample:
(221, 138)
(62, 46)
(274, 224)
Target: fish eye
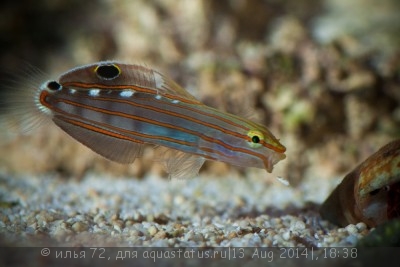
(107, 71)
(255, 138)
(53, 86)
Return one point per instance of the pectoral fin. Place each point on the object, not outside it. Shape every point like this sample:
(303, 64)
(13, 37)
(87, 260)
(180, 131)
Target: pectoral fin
(179, 164)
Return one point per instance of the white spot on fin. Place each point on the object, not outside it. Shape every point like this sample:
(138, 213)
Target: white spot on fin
(127, 93)
(94, 92)
(175, 101)
(158, 97)
(72, 91)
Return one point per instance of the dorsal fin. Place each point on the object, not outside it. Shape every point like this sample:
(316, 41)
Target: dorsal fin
(149, 78)
(166, 85)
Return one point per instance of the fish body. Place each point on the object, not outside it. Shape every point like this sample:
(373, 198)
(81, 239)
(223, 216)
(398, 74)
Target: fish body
(115, 108)
(370, 193)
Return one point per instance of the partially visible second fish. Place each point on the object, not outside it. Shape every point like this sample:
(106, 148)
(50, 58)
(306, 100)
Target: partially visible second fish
(370, 193)
(115, 108)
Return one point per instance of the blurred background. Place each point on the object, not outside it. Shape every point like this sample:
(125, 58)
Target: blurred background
(324, 76)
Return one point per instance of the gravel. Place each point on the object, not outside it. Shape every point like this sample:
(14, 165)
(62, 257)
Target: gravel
(201, 212)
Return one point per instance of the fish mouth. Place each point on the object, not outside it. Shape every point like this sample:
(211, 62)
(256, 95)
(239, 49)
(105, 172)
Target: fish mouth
(272, 160)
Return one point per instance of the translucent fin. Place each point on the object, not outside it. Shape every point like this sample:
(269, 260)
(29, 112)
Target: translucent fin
(114, 149)
(19, 109)
(152, 79)
(179, 164)
(166, 85)
(238, 102)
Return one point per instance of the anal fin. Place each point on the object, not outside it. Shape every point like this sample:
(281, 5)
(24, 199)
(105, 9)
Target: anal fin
(110, 147)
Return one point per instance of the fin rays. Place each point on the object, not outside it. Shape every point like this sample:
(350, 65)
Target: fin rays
(112, 148)
(179, 164)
